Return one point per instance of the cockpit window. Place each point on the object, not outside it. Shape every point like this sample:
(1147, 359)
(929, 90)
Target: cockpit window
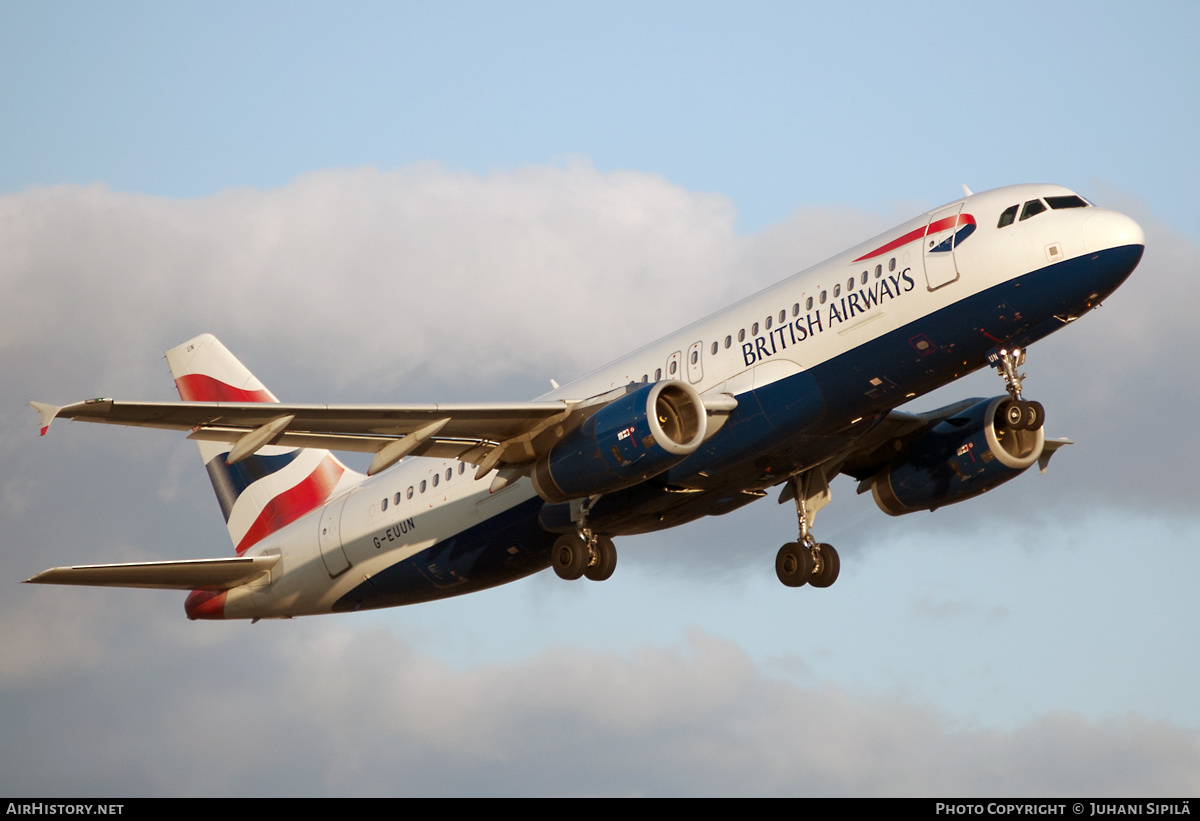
(1032, 209)
(1070, 201)
(1008, 217)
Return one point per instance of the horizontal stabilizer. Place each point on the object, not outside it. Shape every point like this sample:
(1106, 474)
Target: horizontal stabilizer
(189, 574)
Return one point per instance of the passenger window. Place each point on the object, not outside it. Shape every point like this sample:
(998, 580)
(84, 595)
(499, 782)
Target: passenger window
(1032, 209)
(878, 271)
(782, 315)
(410, 491)
(808, 304)
(397, 499)
(449, 473)
(850, 284)
(657, 374)
(462, 466)
(837, 290)
(728, 341)
(422, 485)
(384, 505)
(714, 347)
(695, 357)
(1008, 217)
(796, 309)
(892, 264)
(436, 476)
(822, 297)
(767, 327)
(742, 335)
(672, 368)
(864, 278)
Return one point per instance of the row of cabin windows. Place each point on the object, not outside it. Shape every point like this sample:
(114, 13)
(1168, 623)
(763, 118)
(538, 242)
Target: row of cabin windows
(1034, 207)
(421, 488)
(770, 320)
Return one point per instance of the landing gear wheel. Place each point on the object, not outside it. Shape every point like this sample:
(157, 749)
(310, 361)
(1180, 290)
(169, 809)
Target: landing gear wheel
(830, 566)
(1035, 415)
(1013, 413)
(605, 561)
(793, 564)
(569, 557)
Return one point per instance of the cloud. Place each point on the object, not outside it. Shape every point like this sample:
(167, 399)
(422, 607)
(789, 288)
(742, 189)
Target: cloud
(365, 277)
(342, 710)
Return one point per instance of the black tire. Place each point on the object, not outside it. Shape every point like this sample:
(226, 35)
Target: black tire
(831, 565)
(1035, 415)
(793, 565)
(568, 557)
(1012, 414)
(606, 560)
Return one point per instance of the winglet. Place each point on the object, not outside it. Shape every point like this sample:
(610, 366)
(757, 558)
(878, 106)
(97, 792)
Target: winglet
(47, 412)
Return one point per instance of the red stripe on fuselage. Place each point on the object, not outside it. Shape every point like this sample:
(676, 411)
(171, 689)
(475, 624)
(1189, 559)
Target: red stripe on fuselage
(934, 227)
(198, 387)
(293, 503)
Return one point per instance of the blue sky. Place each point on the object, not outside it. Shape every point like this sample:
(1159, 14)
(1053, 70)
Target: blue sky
(421, 202)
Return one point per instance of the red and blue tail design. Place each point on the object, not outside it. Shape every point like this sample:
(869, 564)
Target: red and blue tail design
(275, 486)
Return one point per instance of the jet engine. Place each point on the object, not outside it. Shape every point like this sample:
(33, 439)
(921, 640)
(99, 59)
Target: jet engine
(627, 441)
(958, 458)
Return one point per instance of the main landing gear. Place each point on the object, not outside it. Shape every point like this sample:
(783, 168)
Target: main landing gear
(1016, 413)
(583, 553)
(807, 561)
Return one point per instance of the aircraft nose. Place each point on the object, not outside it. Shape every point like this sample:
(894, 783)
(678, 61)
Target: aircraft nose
(1105, 229)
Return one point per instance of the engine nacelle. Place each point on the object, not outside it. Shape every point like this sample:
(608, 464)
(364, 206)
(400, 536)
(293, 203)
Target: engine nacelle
(959, 458)
(627, 441)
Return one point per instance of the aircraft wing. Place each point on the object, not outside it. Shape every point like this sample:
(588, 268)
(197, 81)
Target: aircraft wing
(191, 574)
(488, 435)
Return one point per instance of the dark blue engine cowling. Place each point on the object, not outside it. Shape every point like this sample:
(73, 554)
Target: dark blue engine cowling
(627, 441)
(958, 458)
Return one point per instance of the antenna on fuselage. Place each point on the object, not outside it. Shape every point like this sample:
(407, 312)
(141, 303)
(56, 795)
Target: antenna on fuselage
(967, 191)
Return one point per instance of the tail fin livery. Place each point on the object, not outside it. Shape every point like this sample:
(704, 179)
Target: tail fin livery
(277, 485)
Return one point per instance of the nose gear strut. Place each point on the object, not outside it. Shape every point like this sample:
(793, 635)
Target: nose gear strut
(1016, 413)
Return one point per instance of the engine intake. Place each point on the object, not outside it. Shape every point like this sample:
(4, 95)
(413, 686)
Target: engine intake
(958, 458)
(626, 442)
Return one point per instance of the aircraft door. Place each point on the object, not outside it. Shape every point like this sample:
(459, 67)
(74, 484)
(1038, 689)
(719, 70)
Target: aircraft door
(940, 265)
(330, 537)
(695, 362)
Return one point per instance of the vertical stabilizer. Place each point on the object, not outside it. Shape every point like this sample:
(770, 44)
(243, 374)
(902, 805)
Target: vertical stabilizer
(275, 486)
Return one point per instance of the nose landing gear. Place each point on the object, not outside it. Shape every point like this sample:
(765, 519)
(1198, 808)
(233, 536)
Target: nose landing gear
(1016, 413)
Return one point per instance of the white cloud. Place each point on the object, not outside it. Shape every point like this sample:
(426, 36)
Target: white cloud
(337, 709)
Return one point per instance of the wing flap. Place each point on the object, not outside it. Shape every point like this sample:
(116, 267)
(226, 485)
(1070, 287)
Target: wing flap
(188, 574)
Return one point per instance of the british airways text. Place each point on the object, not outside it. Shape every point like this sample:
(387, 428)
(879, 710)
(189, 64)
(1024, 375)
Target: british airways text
(814, 322)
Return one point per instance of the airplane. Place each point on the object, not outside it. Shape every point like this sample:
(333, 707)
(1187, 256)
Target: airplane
(788, 388)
